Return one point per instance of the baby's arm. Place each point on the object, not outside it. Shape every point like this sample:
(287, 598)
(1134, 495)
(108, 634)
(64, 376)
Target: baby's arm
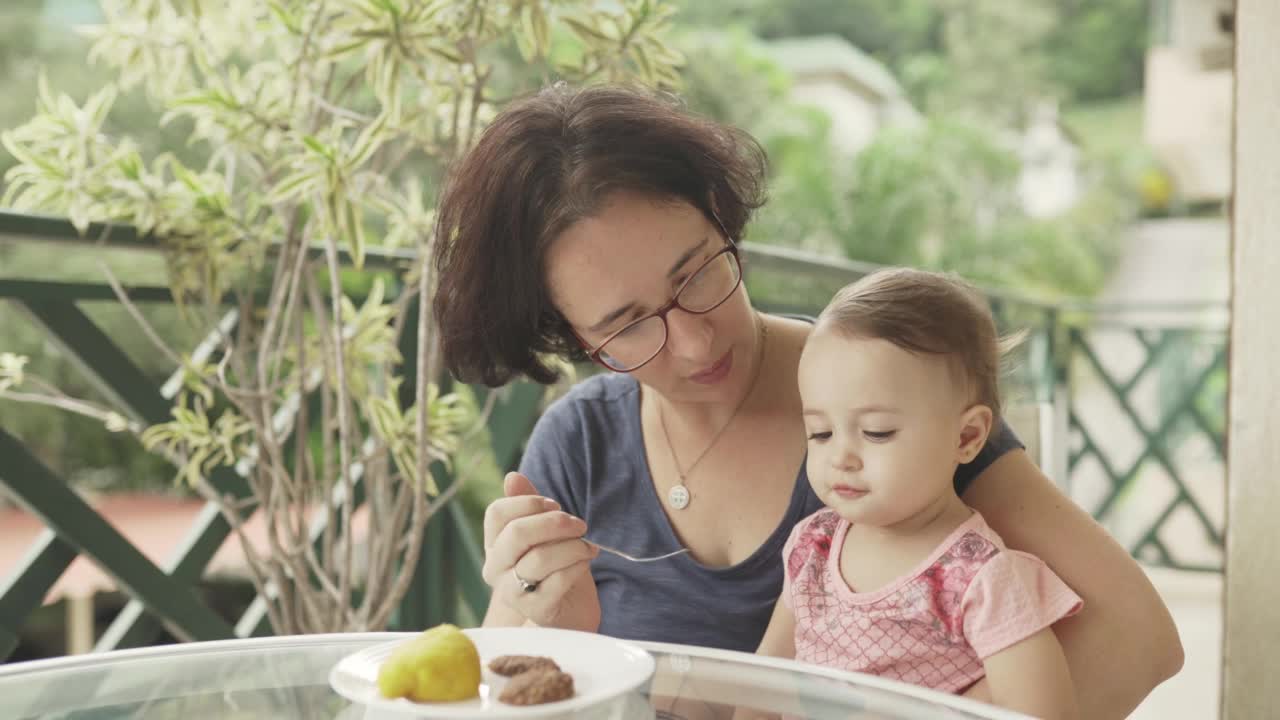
(1009, 609)
(780, 637)
(1031, 676)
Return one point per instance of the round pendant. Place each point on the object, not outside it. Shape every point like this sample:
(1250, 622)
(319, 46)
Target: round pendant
(678, 496)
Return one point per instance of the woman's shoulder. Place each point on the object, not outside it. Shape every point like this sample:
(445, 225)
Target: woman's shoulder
(583, 434)
(606, 399)
(604, 390)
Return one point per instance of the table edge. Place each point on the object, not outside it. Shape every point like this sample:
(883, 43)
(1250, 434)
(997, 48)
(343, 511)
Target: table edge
(88, 660)
(68, 662)
(854, 678)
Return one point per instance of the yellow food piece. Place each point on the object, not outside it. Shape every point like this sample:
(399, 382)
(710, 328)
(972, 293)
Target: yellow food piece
(440, 665)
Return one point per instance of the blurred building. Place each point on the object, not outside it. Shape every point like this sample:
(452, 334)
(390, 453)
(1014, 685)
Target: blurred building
(857, 92)
(861, 97)
(1188, 90)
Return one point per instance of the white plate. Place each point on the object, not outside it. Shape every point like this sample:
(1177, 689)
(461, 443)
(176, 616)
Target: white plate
(602, 668)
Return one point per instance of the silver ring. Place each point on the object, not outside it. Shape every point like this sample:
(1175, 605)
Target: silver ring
(525, 585)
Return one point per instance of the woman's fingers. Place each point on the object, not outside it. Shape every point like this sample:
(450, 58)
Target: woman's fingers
(547, 559)
(517, 484)
(546, 604)
(526, 534)
(503, 511)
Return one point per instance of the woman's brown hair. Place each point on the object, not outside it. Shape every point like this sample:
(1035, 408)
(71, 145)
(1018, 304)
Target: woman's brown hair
(926, 313)
(546, 162)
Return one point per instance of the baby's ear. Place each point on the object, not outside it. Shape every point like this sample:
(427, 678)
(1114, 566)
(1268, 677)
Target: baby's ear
(975, 426)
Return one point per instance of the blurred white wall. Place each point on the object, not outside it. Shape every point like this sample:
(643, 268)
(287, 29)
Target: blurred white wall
(1188, 98)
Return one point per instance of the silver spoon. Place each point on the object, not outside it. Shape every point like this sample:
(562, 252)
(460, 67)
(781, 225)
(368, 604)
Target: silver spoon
(632, 558)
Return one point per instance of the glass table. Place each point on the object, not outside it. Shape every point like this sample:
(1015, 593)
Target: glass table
(287, 677)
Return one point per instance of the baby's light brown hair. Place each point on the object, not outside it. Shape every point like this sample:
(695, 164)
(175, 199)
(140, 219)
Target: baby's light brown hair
(928, 313)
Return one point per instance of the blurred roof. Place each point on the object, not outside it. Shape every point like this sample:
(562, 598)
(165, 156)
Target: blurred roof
(157, 525)
(819, 54)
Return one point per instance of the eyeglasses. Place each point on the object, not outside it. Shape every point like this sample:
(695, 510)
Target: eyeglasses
(641, 340)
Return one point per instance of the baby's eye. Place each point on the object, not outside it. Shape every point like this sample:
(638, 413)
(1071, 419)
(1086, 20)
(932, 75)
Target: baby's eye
(879, 435)
(819, 436)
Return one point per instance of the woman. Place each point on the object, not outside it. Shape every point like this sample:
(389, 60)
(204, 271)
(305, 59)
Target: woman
(604, 222)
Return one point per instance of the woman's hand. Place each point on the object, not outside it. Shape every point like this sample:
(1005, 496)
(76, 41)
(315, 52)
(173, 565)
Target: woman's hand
(527, 535)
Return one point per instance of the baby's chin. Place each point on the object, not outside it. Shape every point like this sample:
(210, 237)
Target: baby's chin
(865, 511)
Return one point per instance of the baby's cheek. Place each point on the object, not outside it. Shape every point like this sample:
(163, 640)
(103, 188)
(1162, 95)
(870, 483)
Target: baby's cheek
(812, 464)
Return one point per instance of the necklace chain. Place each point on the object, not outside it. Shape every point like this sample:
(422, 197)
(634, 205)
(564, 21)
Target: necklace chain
(679, 495)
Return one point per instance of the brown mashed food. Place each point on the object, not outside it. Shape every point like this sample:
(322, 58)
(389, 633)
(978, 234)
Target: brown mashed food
(512, 665)
(537, 686)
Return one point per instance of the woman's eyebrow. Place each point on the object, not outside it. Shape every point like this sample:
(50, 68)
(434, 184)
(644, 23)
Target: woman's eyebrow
(607, 319)
(675, 268)
(687, 256)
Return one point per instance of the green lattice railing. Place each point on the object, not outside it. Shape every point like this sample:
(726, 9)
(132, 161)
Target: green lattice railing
(1155, 457)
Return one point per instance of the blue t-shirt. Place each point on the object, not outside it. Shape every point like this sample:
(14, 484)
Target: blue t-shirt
(587, 453)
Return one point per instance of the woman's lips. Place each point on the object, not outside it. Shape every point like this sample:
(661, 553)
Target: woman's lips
(715, 373)
(848, 492)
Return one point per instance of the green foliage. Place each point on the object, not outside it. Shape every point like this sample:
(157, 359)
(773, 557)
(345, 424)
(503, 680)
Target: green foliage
(988, 63)
(737, 82)
(944, 196)
(19, 20)
(1097, 51)
(940, 196)
(284, 159)
(943, 50)
(1112, 128)
(245, 91)
(11, 370)
(890, 30)
(72, 445)
(734, 80)
(977, 56)
(1110, 134)
(313, 126)
(35, 40)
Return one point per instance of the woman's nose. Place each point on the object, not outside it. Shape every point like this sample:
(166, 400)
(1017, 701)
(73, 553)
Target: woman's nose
(688, 335)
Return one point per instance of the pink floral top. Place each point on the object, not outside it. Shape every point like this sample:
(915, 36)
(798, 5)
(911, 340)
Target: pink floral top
(971, 598)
